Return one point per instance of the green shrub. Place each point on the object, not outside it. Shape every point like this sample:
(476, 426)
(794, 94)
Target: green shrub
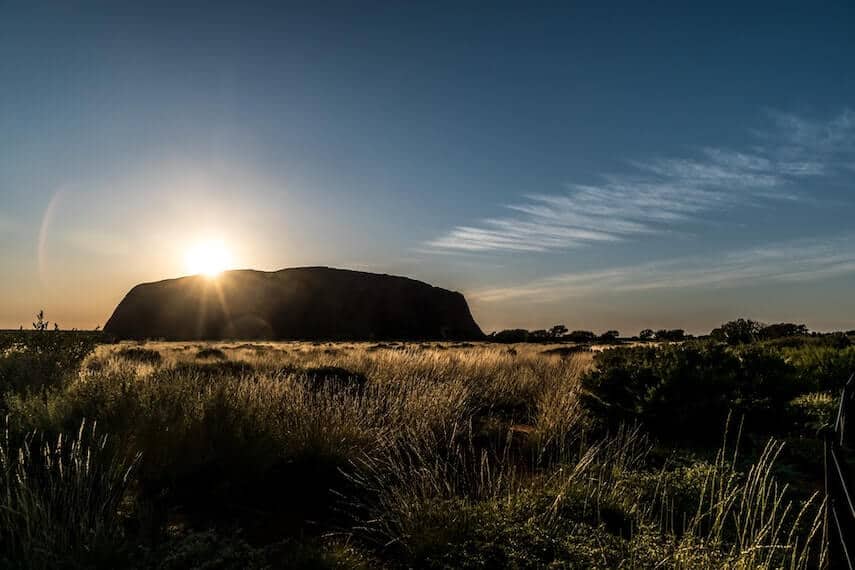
(686, 392)
(32, 360)
(822, 368)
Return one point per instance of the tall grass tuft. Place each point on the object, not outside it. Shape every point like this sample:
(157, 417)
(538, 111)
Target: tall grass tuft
(59, 500)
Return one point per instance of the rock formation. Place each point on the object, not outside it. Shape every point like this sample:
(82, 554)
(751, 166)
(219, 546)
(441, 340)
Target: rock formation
(311, 303)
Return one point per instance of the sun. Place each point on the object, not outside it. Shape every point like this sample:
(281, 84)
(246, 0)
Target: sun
(208, 258)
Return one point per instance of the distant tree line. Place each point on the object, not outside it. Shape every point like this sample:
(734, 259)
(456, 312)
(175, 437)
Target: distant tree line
(558, 333)
(667, 335)
(739, 331)
(747, 331)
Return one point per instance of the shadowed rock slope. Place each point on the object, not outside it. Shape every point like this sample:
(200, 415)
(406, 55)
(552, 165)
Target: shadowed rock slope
(314, 303)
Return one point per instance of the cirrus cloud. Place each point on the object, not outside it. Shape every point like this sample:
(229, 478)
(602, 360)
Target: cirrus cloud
(658, 194)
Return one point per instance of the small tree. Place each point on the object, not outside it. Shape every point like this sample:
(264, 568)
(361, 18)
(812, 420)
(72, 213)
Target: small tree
(670, 335)
(740, 331)
(581, 336)
(557, 331)
(646, 334)
(538, 335)
(510, 335)
(609, 336)
(41, 323)
(782, 330)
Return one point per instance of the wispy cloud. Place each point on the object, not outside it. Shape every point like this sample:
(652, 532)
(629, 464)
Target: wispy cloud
(804, 260)
(658, 194)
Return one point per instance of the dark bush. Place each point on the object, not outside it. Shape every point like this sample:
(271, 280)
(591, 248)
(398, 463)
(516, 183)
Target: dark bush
(212, 369)
(782, 330)
(510, 336)
(567, 350)
(31, 360)
(670, 335)
(580, 336)
(740, 331)
(141, 355)
(209, 352)
(609, 337)
(685, 392)
(328, 378)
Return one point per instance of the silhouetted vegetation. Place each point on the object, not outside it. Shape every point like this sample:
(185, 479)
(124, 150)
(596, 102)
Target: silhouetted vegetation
(138, 354)
(670, 335)
(212, 353)
(42, 357)
(609, 337)
(557, 333)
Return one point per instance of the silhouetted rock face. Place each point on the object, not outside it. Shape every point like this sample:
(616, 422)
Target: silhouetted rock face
(315, 303)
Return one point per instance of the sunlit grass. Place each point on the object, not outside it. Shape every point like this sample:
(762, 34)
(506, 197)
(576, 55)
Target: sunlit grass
(443, 454)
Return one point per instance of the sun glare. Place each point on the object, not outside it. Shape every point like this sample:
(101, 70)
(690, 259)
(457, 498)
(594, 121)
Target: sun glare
(208, 258)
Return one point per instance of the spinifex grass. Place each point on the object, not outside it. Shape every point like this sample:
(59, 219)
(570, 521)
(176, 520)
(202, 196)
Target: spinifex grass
(414, 455)
(59, 499)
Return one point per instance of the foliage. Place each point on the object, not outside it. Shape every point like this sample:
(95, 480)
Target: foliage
(211, 353)
(782, 330)
(822, 368)
(581, 336)
(685, 392)
(141, 355)
(59, 500)
(37, 359)
(510, 336)
(555, 333)
(740, 331)
(670, 335)
(609, 337)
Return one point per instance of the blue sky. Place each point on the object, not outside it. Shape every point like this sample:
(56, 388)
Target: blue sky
(605, 165)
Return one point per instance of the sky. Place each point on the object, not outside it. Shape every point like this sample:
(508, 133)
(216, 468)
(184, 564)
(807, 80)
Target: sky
(602, 165)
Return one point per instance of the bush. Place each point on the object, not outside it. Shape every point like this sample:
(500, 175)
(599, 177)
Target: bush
(580, 336)
(782, 330)
(212, 353)
(740, 331)
(31, 360)
(670, 335)
(685, 392)
(609, 337)
(510, 336)
(822, 368)
(141, 355)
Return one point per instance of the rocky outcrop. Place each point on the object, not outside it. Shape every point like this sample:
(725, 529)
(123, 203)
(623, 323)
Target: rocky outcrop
(311, 303)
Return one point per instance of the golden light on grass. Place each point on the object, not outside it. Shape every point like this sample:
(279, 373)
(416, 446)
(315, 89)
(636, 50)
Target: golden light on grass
(208, 258)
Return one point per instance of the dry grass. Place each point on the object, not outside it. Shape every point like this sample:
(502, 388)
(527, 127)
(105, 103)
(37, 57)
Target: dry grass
(415, 451)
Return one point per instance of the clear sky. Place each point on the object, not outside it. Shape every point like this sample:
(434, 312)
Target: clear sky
(602, 165)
